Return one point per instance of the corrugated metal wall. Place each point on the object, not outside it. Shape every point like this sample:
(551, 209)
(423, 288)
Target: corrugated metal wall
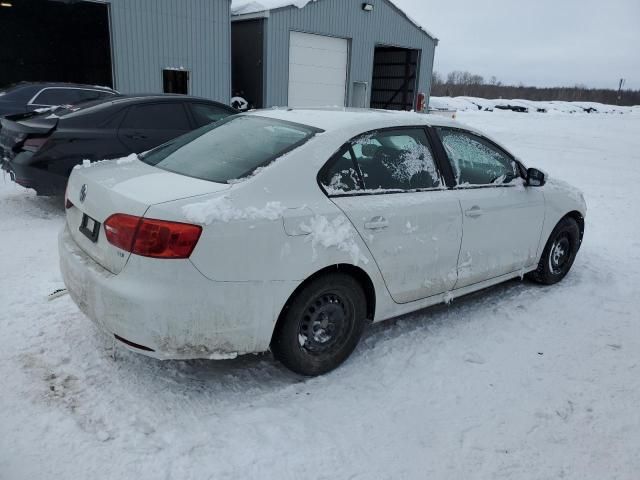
(150, 35)
(346, 19)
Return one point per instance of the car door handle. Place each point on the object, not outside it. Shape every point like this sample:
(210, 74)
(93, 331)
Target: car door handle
(377, 223)
(474, 212)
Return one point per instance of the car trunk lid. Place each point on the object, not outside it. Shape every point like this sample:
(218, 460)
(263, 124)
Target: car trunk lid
(126, 186)
(15, 129)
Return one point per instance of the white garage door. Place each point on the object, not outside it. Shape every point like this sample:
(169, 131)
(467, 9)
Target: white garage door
(317, 70)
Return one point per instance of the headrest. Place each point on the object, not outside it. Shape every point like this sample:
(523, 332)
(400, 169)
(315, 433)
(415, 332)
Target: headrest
(369, 149)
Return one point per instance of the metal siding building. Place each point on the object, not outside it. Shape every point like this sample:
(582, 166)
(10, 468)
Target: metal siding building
(331, 52)
(148, 36)
(385, 25)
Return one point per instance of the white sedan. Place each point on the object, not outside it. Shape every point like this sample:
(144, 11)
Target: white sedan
(290, 230)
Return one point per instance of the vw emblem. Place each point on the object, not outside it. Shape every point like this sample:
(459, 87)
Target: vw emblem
(83, 193)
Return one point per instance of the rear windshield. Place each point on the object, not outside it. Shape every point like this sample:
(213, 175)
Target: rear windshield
(16, 92)
(230, 149)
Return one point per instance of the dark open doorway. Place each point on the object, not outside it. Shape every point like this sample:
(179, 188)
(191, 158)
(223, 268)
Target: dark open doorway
(55, 41)
(175, 81)
(395, 74)
(247, 61)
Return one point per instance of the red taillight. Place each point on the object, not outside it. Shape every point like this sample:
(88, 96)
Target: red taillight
(33, 144)
(160, 239)
(121, 229)
(67, 203)
(152, 238)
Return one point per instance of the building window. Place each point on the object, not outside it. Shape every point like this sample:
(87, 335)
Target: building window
(175, 81)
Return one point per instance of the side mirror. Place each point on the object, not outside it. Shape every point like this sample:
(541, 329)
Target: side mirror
(536, 178)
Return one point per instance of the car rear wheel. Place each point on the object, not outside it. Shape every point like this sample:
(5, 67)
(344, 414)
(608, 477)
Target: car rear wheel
(559, 253)
(321, 326)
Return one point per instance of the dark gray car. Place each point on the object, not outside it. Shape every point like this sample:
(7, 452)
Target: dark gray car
(39, 150)
(27, 97)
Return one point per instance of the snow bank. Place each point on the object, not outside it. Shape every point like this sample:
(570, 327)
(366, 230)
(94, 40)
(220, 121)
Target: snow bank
(464, 104)
(222, 210)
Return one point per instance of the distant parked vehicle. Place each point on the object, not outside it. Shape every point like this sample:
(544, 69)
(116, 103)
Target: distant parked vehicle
(39, 150)
(28, 97)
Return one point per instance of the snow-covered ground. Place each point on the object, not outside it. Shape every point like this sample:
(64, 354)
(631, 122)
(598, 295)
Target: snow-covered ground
(518, 382)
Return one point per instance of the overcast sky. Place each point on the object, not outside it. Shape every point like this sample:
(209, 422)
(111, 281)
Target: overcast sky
(536, 42)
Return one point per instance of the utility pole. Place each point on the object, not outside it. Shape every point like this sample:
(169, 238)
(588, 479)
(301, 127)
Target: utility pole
(622, 82)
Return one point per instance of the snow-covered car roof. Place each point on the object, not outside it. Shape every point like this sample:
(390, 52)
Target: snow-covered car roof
(338, 119)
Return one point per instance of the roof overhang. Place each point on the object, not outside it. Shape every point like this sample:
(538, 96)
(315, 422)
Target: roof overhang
(250, 16)
(284, 4)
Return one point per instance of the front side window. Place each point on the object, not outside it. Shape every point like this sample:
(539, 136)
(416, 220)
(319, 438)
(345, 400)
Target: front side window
(476, 161)
(231, 149)
(205, 114)
(384, 161)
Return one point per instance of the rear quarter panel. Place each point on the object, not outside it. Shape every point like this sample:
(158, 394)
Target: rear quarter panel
(304, 231)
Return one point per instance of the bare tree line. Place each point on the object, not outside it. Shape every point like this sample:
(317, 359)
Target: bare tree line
(466, 84)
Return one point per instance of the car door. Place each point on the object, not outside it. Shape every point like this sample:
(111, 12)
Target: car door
(388, 185)
(502, 218)
(148, 125)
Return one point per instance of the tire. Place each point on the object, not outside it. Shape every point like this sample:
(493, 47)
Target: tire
(321, 325)
(559, 253)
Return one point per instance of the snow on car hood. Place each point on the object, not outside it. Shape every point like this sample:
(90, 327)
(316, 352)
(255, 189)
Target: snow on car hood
(131, 177)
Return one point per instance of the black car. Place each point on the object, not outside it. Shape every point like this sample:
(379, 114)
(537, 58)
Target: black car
(28, 97)
(39, 150)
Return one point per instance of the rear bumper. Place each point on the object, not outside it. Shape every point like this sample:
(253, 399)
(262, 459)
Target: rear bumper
(173, 311)
(42, 181)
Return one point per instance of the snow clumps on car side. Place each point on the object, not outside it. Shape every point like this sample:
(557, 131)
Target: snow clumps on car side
(338, 233)
(222, 210)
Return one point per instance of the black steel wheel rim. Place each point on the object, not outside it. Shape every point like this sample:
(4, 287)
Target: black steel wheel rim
(560, 254)
(325, 323)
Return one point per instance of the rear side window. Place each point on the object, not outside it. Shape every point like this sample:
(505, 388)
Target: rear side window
(157, 116)
(205, 114)
(90, 95)
(476, 161)
(342, 176)
(231, 149)
(58, 96)
(390, 160)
